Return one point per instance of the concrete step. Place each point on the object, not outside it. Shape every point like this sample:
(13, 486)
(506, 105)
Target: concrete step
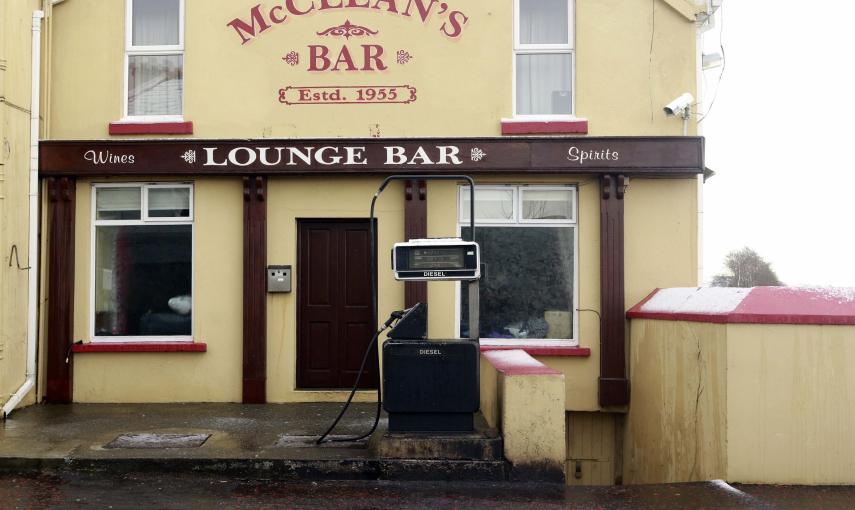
(484, 444)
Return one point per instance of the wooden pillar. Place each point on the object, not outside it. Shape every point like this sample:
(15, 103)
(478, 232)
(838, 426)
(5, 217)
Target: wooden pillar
(60, 288)
(613, 383)
(415, 227)
(254, 290)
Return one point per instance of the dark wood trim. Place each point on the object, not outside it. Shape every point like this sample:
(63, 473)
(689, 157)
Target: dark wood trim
(415, 227)
(254, 290)
(666, 156)
(60, 288)
(613, 383)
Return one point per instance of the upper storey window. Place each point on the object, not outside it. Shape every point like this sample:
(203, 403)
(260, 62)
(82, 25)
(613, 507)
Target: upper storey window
(154, 59)
(543, 58)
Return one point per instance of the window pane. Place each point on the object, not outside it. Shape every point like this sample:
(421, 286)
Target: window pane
(543, 84)
(155, 84)
(169, 202)
(547, 204)
(527, 287)
(490, 204)
(543, 22)
(143, 280)
(155, 22)
(117, 203)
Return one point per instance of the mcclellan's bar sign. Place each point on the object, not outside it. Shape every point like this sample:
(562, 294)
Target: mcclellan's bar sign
(649, 155)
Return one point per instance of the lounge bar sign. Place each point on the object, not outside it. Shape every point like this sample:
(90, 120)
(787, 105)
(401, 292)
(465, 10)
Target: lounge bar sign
(648, 155)
(346, 47)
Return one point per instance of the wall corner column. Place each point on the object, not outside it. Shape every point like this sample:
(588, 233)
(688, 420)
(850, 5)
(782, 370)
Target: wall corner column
(60, 288)
(254, 290)
(613, 383)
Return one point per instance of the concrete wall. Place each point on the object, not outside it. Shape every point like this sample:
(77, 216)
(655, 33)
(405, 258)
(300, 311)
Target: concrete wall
(750, 403)
(15, 89)
(790, 404)
(676, 425)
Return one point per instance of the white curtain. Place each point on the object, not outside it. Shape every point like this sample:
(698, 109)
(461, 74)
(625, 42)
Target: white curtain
(155, 22)
(543, 79)
(543, 84)
(543, 22)
(155, 82)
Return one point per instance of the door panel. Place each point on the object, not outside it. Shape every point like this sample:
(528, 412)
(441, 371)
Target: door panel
(334, 314)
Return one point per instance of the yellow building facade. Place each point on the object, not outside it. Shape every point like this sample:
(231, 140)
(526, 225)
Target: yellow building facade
(191, 147)
(16, 20)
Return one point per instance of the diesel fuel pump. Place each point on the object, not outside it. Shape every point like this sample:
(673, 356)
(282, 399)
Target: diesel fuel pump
(431, 385)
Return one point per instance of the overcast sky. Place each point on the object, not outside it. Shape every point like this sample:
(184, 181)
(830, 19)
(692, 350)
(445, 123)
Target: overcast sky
(780, 139)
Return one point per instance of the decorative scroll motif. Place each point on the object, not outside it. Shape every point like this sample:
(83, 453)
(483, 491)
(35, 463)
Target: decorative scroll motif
(403, 57)
(348, 30)
(477, 154)
(189, 156)
(292, 58)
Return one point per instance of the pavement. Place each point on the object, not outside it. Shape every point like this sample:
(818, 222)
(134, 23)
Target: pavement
(272, 441)
(242, 456)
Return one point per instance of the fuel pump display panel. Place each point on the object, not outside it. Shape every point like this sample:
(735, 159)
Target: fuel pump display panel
(436, 259)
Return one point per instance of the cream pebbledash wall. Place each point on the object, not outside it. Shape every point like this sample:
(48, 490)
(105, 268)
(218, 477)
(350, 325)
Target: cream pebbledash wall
(15, 52)
(632, 57)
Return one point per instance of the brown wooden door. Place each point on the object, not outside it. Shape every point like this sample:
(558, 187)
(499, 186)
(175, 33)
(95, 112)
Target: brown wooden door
(334, 315)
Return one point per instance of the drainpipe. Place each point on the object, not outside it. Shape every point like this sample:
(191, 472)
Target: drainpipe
(33, 251)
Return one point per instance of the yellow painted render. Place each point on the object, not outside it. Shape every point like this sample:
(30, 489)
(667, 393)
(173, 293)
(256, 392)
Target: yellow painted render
(230, 91)
(15, 92)
(464, 85)
(660, 235)
(293, 198)
(790, 404)
(213, 376)
(676, 428)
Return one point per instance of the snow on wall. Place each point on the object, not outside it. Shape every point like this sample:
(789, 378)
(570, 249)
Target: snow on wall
(711, 300)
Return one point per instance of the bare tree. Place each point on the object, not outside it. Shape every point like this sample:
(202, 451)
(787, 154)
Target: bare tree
(745, 268)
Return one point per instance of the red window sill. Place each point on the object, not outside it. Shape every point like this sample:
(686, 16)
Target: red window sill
(577, 127)
(142, 347)
(543, 350)
(151, 128)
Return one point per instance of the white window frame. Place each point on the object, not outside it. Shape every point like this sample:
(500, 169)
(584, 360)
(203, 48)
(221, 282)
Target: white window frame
(131, 50)
(540, 49)
(144, 220)
(518, 222)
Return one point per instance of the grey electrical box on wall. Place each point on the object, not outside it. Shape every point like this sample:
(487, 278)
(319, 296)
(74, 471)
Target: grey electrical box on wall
(278, 278)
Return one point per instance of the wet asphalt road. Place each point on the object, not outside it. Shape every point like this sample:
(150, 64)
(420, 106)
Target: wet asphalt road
(188, 490)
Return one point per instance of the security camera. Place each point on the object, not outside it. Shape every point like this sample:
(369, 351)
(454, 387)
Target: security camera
(679, 106)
